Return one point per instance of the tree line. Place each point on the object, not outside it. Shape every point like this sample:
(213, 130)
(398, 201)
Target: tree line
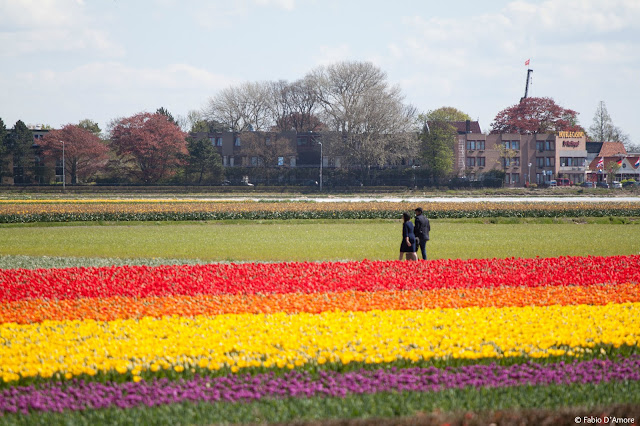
(357, 115)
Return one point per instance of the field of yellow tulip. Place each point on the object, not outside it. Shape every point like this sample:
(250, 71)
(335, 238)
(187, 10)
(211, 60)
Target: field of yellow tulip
(227, 342)
(12, 211)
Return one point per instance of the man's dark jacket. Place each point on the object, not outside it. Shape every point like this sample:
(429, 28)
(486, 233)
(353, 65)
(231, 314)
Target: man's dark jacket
(422, 227)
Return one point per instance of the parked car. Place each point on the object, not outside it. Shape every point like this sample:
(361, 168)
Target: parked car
(563, 182)
(630, 184)
(616, 184)
(588, 185)
(602, 185)
(553, 183)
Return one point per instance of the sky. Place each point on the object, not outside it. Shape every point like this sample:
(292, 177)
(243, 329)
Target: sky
(62, 61)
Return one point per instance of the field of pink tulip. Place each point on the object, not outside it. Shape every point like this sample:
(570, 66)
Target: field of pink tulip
(278, 342)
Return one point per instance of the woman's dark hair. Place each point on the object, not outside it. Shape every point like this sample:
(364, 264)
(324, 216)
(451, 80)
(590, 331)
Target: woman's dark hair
(406, 216)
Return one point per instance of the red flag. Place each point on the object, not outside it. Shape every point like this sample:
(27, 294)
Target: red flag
(527, 62)
(600, 163)
(620, 162)
(637, 162)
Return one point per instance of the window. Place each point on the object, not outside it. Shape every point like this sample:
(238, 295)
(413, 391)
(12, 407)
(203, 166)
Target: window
(231, 161)
(292, 161)
(481, 161)
(515, 145)
(280, 161)
(511, 162)
(540, 162)
(254, 161)
(549, 161)
(540, 145)
(471, 162)
(301, 141)
(471, 145)
(515, 177)
(267, 141)
(236, 141)
(219, 141)
(225, 160)
(549, 145)
(480, 145)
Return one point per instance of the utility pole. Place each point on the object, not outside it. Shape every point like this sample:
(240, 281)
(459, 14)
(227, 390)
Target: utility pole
(320, 165)
(64, 177)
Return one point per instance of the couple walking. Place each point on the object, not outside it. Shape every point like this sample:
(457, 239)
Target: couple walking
(414, 236)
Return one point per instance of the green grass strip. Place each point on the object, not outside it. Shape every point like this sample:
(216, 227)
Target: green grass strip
(380, 405)
(336, 240)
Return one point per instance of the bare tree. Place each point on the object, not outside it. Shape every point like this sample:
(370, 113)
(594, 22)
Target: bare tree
(240, 108)
(603, 129)
(294, 106)
(373, 124)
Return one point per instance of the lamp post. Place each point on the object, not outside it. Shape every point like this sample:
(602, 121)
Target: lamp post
(320, 143)
(64, 180)
(529, 175)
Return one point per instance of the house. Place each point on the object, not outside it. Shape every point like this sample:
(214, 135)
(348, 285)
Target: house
(613, 152)
(525, 159)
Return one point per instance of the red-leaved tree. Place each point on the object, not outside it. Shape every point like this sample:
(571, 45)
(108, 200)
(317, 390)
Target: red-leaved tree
(151, 144)
(84, 152)
(535, 115)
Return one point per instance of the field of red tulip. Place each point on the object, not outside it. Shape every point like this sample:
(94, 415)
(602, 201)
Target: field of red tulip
(277, 342)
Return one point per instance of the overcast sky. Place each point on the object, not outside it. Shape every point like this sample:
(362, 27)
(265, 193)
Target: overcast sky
(65, 60)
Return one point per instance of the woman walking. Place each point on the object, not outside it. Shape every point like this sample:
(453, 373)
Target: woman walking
(408, 245)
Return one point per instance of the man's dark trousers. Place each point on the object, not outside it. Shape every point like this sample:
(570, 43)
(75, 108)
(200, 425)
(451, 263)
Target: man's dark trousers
(423, 247)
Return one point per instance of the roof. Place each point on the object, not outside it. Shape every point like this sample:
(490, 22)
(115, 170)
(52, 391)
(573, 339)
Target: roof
(461, 126)
(594, 147)
(610, 149)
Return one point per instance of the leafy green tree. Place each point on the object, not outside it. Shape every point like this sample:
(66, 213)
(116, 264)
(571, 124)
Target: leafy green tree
(166, 113)
(90, 126)
(3, 149)
(437, 143)
(612, 167)
(444, 113)
(505, 155)
(204, 165)
(18, 148)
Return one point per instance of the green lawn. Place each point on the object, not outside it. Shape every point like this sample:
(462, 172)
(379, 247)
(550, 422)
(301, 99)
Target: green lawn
(315, 240)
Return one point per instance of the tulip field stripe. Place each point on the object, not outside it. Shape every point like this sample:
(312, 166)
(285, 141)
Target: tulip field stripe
(93, 210)
(120, 307)
(310, 277)
(80, 395)
(384, 408)
(75, 348)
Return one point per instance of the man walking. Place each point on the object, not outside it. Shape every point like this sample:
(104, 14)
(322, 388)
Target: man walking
(421, 230)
